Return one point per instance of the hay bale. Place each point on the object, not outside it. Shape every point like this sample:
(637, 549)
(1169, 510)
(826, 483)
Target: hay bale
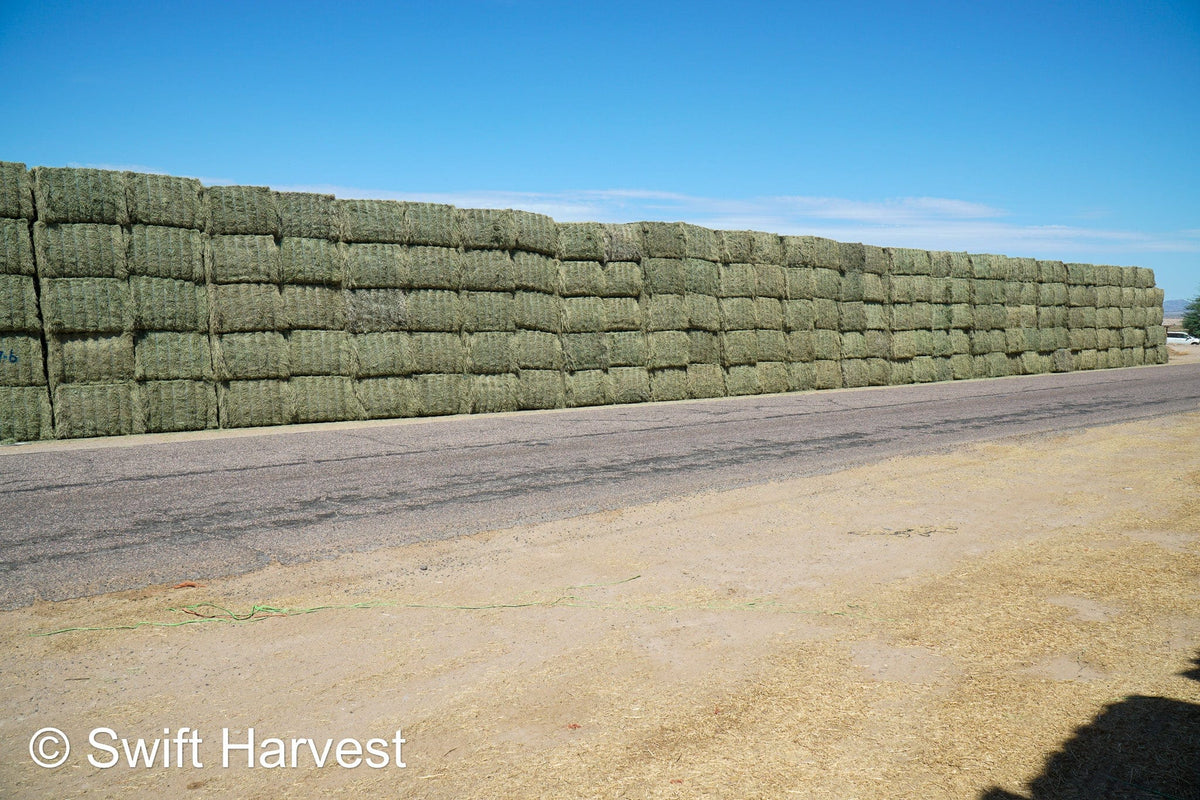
(664, 240)
(854, 345)
(313, 307)
(827, 345)
(487, 311)
(667, 312)
(907, 261)
(703, 312)
(705, 380)
(373, 221)
(875, 288)
(664, 276)
(875, 317)
(742, 380)
(314, 261)
(377, 355)
(240, 307)
(540, 389)
(243, 210)
(490, 353)
(245, 259)
(960, 290)
(165, 406)
(987, 292)
(249, 404)
(1082, 317)
(623, 242)
(826, 374)
(164, 356)
(86, 305)
(385, 398)
(1133, 337)
(962, 367)
(322, 353)
(1052, 272)
(770, 281)
(852, 317)
(906, 345)
(486, 271)
(485, 228)
(438, 352)
(165, 200)
(80, 251)
(16, 248)
(623, 314)
(701, 277)
(738, 313)
(303, 215)
(704, 348)
(67, 194)
(428, 224)
(440, 395)
(376, 266)
(323, 398)
(27, 416)
(855, 373)
(537, 311)
(439, 268)
(1085, 359)
(584, 315)
(797, 315)
(627, 349)
(771, 346)
(1143, 277)
(622, 279)
(667, 349)
(375, 310)
(772, 377)
(768, 313)
(16, 195)
(93, 409)
(960, 342)
(492, 394)
(159, 252)
(629, 384)
(250, 356)
(581, 241)
(536, 233)
(736, 280)
(801, 346)
(1081, 275)
(536, 272)
(18, 305)
(800, 283)
(668, 384)
(878, 344)
(801, 376)
(537, 350)
(811, 251)
(1061, 360)
(164, 304)
(701, 243)
(1156, 336)
(588, 388)
(739, 348)
(736, 247)
(21, 362)
(826, 314)
(827, 283)
(924, 369)
(582, 279)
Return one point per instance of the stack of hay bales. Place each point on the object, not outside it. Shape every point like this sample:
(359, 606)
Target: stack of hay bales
(488, 287)
(1114, 316)
(537, 313)
(664, 297)
(23, 392)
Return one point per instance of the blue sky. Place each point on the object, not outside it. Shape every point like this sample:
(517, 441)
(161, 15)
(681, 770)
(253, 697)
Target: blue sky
(1054, 130)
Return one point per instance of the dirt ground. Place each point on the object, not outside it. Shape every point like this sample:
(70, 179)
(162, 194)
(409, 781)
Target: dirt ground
(1015, 619)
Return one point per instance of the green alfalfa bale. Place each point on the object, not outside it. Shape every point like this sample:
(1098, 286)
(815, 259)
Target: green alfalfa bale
(438, 352)
(827, 345)
(668, 384)
(159, 252)
(16, 248)
(944, 369)
(535, 272)
(962, 367)
(581, 241)
(623, 279)
(623, 242)
(960, 290)
(250, 356)
(385, 354)
(164, 356)
(239, 307)
(485, 228)
(797, 315)
(165, 200)
(93, 409)
(997, 365)
(826, 314)
(987, 292)
(428, 224)
(905, 345)
(584, 315)
(21, 362)
(16, 195)
(852, 316)
(879, 371)
(1157, 355)
(990, 317)
(245, 259)
(1156, 336)
(245, 210)
(738, 314)
(1082, 317)
(90, 359)
(801, 346)
(315, 262)
(27, 416)
(376, 266)
(1052, 294)
(667, 349)
(630, 384)
(1133, 337)
(875, 288)
(487, 311)
(67, 194)
(588, 388)
(923, 369)
(739, 348)
(704, 347)
(878, 343)
(908, 261)
(536, 233)
(770, 281)
(165, 304)
(1081, 275)
(828, 284)
(772, 377)
(324, 398)
(736, 280)
(376, 221)
(176, 405)
(438, 268)
(876, 317)
(768, 313)
(80, 251)
(255, 403)
(540, 388)
(742, 380)
(772, 346)
(856, 373)
(536, 350)
(492, 394)
(490, 353)
(800, 283)
(664, 276)
(701, 277)
(385, 398)
(537, 311)
(801, 376)
(667, 312)
(18, 305)
(86, 305)
(1022, 293)
(1034, 363)
(664, 240)
(827, 374)
(375, 310)
(318, 352)
(622, 314)
(1061, 360)
(854, 345)
(304, 215)
(486, 271)
(960, 342)
(583, 279)
(811, 251)
(765, 248)
(1104, 339)
(627, 349)
(1014, 341)
(1052, 272)
(701, 243)
(1144, 277)
(313, 307)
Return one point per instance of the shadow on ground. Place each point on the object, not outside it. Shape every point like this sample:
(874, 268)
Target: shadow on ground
(1136, 749)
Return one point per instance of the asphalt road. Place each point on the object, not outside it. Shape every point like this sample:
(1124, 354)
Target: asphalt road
(85, 519)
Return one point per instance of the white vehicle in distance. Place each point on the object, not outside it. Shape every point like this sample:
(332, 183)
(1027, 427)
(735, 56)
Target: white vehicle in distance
(1181, 337)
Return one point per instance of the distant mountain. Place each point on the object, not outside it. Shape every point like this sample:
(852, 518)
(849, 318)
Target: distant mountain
(1174, 306)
